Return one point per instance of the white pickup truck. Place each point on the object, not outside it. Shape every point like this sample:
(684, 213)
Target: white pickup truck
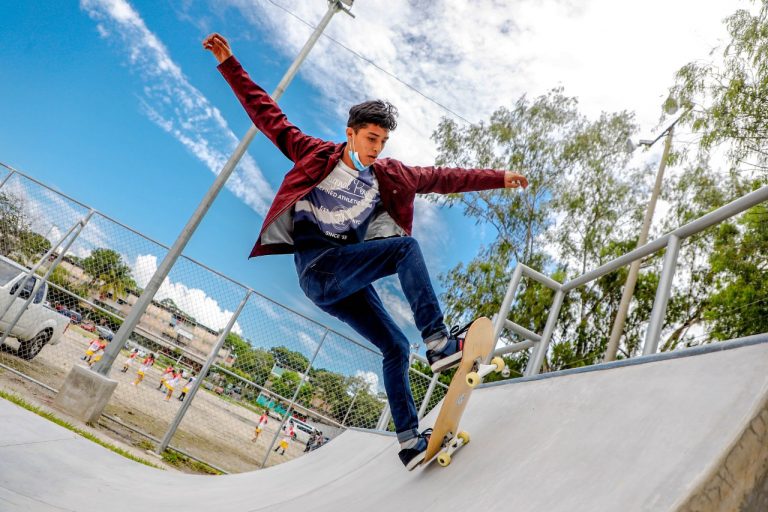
(39, 325)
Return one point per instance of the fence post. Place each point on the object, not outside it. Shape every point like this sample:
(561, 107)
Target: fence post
(5, 180)
(200, 376)
(537, 359)
(384, 418)
(653, 334)
(351, 405)
(293, 400)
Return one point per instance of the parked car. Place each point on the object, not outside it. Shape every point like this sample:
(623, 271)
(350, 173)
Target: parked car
(73, 316)
(88, 326)
(39, 325)
(105, 333)
(302, 431)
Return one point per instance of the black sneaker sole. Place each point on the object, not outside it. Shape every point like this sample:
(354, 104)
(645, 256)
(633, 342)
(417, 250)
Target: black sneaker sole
(446, 363)
(415, 462)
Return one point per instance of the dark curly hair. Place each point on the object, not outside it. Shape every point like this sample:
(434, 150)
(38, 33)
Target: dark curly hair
(380, 113)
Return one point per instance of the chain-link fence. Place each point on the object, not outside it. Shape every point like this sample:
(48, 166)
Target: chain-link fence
(279, 385)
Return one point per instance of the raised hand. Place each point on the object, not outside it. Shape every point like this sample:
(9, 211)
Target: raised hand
(514, 180)
(218, 46)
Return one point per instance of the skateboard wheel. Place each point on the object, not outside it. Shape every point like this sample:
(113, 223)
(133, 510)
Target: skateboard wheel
(473, 379)
(499, 362)
(464, 436)
(444, 459)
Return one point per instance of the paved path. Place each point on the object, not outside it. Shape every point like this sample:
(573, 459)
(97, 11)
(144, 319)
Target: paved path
(652, 435)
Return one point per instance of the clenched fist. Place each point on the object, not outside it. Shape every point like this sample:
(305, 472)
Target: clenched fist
(218, 46)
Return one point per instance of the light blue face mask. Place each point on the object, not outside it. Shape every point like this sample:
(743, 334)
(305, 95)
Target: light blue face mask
(356, 159)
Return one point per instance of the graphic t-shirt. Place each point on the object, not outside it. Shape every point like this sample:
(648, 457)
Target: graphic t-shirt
(337, 211)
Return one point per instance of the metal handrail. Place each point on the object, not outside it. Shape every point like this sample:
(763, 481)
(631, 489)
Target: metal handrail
(671, 241)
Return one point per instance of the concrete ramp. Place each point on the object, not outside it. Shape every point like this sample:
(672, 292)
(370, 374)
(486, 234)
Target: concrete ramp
(681, 431)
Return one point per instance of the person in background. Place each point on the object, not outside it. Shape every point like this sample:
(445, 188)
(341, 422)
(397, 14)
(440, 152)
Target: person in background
(146, 364)
(171, 381)
(186, 388)
(263, 420)
(129, 361)
(287, 437)
(96, 357)
(166, 374)
(92, 348)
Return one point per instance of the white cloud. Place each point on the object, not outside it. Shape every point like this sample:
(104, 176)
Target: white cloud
(370, 379)
(391, 294)
(194, 301)
(171, 102)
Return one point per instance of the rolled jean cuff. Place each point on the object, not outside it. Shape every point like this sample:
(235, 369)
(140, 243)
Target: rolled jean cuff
(442, 333)
(407, 435)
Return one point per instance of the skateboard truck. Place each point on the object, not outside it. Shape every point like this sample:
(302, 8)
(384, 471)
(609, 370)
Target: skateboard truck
(481, 370)
(444, 458)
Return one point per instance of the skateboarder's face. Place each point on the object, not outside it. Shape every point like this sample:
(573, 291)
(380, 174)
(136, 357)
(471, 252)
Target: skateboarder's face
(369, 141)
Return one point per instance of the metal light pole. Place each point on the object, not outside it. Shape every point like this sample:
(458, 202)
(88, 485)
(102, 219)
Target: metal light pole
(164, 269)
(634, 269)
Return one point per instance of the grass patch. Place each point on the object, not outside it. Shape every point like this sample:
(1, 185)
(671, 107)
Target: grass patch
(146, 445)
(50, 417)
(178, 460)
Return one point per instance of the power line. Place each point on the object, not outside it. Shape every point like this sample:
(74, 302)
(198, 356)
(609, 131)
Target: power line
(372, 63)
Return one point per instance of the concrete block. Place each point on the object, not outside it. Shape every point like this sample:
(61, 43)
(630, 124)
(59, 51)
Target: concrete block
(84, 394)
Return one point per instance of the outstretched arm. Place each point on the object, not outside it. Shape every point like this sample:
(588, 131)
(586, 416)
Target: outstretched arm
(447, 180)
(260, 107)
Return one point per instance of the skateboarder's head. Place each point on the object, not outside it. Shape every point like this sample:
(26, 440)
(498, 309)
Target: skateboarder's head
(368, 130)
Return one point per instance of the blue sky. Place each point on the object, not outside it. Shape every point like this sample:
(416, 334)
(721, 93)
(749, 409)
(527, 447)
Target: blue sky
(116, 104)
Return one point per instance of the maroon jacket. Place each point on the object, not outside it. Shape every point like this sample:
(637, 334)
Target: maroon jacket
(314, 159)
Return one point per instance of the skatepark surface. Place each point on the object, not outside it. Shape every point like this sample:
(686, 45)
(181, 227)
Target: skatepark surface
(676, 431)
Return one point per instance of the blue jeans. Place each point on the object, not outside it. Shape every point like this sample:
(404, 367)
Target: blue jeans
(338, 280)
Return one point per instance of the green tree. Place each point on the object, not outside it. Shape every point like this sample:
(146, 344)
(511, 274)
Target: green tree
(33, 244)
(253, 362)
(287, 385)
(726, 101)
(109, 274)
(291, 359)
(13, 222)
(579, 208)
(739, 306)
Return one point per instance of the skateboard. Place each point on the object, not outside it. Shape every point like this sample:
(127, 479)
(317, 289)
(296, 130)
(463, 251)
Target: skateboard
(446, 438)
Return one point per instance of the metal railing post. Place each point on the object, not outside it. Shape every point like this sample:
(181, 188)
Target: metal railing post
(537, 359)
(506, 304)
(304, 378)
(201, 376)
(659, 311)
(80, 225)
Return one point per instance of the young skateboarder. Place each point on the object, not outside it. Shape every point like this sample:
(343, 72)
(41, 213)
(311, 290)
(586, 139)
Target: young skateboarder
(346, 216)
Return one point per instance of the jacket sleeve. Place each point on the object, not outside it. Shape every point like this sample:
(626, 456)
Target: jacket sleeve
(266, 114)
(447, 180)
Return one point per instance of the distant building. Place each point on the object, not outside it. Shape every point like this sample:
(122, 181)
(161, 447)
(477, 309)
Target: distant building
(163, 322)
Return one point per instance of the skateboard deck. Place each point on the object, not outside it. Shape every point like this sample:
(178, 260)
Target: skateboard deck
(446, 438)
